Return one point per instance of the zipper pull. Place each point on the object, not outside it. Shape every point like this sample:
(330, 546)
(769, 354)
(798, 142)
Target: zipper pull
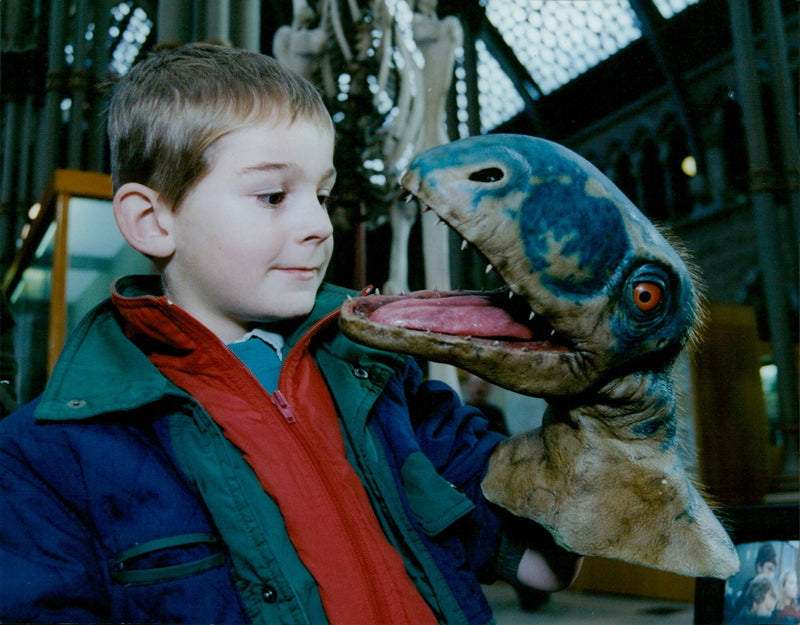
(283, 406)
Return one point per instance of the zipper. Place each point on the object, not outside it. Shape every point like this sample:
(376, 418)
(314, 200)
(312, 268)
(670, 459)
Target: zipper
(378, 605)
(283, 406)
(298, 348)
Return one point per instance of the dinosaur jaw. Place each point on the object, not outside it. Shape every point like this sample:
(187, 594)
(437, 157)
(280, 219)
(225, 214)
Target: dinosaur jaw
(486, 333)
(600, 496)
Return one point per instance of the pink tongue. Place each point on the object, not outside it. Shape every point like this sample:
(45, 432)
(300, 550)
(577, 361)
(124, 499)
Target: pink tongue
(466, 315)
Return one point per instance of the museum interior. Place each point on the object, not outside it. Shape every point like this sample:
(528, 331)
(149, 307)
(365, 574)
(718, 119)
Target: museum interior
(689, 106)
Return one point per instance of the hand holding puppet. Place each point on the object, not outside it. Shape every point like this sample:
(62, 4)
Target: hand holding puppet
(598, 306)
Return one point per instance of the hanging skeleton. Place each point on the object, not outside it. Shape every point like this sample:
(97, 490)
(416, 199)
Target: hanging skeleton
(412, 54)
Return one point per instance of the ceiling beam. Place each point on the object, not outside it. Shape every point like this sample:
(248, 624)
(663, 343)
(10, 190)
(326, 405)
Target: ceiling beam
(474, 18)
(652, 25)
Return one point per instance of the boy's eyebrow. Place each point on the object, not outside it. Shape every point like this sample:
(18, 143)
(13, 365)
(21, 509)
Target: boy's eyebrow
(329, 173)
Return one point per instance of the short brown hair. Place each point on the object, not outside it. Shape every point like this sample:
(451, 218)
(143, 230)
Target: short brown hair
(173, 105)
(759, 588)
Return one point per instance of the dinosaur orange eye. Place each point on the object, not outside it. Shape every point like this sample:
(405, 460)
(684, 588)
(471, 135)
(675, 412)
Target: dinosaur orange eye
(647, 295)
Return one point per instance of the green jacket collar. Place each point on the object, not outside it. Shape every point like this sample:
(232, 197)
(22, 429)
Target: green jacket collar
(100, 370)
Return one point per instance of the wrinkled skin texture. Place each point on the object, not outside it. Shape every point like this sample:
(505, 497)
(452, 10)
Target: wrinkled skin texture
(601, 306)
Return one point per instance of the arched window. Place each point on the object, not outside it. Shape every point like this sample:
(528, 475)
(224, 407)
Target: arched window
(651, 182)
(623, 176)
(681, 201)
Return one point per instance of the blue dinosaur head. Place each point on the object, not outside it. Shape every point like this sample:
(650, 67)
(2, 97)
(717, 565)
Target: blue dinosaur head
(565, 238)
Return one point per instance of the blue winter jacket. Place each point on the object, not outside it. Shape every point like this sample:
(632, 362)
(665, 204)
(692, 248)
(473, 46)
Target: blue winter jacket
(100, 521)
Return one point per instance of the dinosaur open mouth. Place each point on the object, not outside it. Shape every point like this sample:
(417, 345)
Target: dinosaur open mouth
(477, 315)
(499, 316)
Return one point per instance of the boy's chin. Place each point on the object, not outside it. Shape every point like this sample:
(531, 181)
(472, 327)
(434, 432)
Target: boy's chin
(294, 307)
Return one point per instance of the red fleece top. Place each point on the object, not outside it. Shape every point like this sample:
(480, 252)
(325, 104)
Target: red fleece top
(293, 442)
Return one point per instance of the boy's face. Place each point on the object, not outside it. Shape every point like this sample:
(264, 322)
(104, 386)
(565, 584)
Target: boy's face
(790, 586)
(766, 607)
(253, 238)
(767, 568)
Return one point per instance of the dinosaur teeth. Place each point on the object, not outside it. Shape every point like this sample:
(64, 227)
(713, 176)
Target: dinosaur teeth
(531, 316)
(408, 198)
(510, 294)
(488, 268)
(464, 245)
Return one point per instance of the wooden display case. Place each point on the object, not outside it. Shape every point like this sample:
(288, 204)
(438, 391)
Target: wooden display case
(71, 252)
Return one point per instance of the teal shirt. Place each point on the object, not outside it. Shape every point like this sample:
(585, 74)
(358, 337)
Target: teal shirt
(261, 359)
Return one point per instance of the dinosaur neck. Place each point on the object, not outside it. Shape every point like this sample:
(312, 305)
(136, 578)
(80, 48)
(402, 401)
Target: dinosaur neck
(638, 406)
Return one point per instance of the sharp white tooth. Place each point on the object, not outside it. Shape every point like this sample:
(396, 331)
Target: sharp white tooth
(496, 343)
(531, 316)
(408, 198)
(349, 298)
(510, 294)
(464, 245)
(552, 332)
(377, 291)
(488, 268)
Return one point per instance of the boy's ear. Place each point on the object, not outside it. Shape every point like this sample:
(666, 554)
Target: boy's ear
(144, 220)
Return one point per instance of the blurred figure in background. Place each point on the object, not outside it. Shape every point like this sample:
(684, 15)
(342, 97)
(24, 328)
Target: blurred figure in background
(476, 392)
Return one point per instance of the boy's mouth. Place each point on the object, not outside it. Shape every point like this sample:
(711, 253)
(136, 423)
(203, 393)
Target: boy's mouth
(299, 272)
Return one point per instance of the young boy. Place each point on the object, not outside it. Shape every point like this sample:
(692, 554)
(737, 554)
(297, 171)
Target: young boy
(209, 448)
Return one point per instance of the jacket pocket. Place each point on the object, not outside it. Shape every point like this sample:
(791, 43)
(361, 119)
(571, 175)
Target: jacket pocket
(435, 502)
(166, 559)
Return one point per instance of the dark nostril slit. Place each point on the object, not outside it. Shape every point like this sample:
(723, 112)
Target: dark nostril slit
(490, 174)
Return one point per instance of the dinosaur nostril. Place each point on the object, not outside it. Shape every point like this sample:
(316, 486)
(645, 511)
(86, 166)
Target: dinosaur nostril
(490, 174)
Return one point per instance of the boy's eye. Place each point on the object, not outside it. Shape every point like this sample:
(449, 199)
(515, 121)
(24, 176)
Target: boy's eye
(274, 198)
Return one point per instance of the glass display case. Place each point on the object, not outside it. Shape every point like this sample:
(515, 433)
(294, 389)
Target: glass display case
(71, 252)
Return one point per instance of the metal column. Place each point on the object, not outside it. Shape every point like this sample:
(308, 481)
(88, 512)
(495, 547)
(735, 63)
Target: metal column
(766, 224)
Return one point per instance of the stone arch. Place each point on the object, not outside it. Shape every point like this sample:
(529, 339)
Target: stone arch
(673, 138)
(620, 169)
(649, 168)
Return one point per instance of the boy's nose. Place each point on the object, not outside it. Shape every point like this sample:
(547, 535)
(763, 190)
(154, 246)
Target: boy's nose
(316, 222)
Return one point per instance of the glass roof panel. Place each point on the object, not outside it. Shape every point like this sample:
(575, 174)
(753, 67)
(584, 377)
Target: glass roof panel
(498, 99)
(130, 26)
(668, 8)
(557, 40)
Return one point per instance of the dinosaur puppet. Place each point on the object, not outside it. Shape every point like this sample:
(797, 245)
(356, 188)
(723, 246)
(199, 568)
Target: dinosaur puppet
(598, 305)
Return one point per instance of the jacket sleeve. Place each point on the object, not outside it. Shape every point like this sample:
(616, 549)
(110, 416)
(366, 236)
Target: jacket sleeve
(48, 563)
(457, 441)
